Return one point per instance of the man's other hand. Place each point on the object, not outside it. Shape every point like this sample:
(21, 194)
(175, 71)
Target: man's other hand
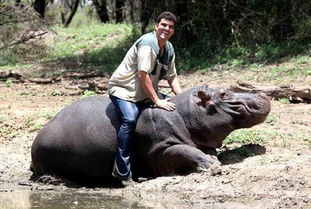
(165, 104)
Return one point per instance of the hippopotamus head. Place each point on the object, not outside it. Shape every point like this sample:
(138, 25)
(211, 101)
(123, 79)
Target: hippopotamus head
(245, 109)
(213, 114)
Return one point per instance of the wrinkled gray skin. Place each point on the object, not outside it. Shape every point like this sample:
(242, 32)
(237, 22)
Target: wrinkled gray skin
(81, 140)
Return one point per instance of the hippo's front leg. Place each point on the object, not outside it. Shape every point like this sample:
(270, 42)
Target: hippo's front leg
(181, 159)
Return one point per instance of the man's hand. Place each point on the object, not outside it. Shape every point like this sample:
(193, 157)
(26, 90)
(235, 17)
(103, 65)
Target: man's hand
(165, 104)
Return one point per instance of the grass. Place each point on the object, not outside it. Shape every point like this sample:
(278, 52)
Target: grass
(32, 124)
(245, 151)
(95, 47)
(9, 82)
(88, 45)
(98, 47)
(284, 101)
(36, 127)
(7, 128)
(271, 119)
(245, 136)
(7, 132)
(36, 122)
(299, 122)
(71, 41)
(244, 56)
(88, 93)
(48, 115)
(308, 140)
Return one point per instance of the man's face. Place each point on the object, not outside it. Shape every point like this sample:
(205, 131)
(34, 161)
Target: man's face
(164, 29)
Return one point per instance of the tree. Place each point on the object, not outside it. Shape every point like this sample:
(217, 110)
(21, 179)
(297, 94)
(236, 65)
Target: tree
(184, 21)
(70, 6)
(119, 10)
(39, 6)
(132, 11)
(101, 10)
(19, 24)
(147, 9)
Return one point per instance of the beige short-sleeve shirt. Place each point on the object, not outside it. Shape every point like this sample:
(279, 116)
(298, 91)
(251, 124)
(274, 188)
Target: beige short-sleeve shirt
(124, 82)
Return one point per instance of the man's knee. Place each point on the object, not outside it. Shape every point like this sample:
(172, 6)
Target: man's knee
(130, 122)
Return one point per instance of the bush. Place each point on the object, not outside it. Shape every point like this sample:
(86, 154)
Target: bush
(20, 26)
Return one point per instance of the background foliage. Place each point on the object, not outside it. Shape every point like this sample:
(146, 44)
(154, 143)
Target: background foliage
(209, 33)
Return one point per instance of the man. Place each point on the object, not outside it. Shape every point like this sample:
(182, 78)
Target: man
(149, 60)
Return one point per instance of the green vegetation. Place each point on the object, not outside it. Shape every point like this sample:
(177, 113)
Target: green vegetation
(32, 124)
(88, 93)
(28, 122)
(36, 127)
(9, 82)
(88, 45)
(7, 129)
(308, 140)
(263, 160)
(236, 56)
(8, 58)
(244, 136)
(300, 122)
(285, 101)
(76, 49)
(245, 151)
(49, 115)
(56, 93)
(271, 119)
(90, 38)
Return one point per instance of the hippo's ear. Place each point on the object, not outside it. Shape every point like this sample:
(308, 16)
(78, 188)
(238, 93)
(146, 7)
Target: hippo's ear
(205, 98)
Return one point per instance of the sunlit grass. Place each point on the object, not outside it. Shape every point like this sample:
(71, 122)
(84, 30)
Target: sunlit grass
(88, 45)
(245, 136)
(271, 119)
(88, 38)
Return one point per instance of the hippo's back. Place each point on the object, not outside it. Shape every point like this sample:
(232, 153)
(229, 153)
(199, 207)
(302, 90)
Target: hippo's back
(79, 141)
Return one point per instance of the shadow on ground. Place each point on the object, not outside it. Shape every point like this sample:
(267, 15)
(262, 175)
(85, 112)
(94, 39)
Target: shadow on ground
(239, 154)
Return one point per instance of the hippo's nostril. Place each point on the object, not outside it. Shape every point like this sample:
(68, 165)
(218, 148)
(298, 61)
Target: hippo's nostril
(223, 95)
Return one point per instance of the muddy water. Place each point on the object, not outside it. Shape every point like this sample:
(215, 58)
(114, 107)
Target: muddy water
(25, 199)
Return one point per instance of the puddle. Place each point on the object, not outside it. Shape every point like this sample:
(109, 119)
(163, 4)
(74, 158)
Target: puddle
(24, 199)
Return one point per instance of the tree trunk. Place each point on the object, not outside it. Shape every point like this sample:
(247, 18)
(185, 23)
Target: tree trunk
(17, 3)
(183, 15)
(39, 6)
(119, 10)
(73, 10)
(101, 9)
(111, 10)
(136, 11)
(293, 94)
(131, 11)
(147, 9)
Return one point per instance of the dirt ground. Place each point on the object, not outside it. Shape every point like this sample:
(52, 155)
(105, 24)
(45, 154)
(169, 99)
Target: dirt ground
(276, 175)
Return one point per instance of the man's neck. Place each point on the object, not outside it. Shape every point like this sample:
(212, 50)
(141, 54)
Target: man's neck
(161, 44)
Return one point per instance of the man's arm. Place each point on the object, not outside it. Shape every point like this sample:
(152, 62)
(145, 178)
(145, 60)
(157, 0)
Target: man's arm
(146, 84)
(175, 86)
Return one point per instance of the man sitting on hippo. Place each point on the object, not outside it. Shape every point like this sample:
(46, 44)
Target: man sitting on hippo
(150, 59)
(80, 142)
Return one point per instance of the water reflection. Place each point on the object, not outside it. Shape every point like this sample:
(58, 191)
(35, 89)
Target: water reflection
(59, 200)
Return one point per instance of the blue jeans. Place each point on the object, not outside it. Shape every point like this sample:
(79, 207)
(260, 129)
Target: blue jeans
(128, 113)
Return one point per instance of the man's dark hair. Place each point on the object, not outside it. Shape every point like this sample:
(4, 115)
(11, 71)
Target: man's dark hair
(168, 16)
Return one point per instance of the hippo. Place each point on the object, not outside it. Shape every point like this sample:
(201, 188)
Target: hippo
(81, 140)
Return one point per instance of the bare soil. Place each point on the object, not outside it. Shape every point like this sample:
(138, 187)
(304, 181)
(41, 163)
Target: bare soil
(277, 173)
